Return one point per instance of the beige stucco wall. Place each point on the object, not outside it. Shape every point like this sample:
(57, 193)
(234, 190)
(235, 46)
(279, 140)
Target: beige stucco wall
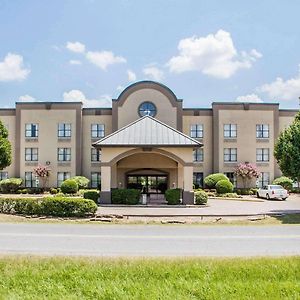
(128, 112)
(285, 121)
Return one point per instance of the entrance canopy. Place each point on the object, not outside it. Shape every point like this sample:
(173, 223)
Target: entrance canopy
(147, 132)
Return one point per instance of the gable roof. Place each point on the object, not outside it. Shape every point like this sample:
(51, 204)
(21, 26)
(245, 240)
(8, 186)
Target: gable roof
(147, 132)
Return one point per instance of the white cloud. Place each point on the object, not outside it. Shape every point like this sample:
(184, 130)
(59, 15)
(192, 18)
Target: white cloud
(281, 89)
(11, 68)
(131, 76)
(153, 73)
(103, 59)
(27, 98)
(78, 96)
(76, 47)
(120, 88)
(75, 62)
(249, 98)
(214, 55)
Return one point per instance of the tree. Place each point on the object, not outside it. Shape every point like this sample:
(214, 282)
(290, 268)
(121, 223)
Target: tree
(247, 172)
(5, 148)
(43, 172)
(287, 150)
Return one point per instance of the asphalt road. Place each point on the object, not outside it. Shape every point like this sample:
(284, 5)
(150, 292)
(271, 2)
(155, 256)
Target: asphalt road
(148, 240)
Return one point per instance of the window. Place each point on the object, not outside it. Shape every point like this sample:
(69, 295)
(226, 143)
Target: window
(262, 131)
(32, 130)
(264, 179)
(64, 154)
(262, 154)
(64, 130)
(147, 109)
(95, 154)
(198, 154)
(97, 130)
(197, 131)
(31, 154)
(232, 178)
(30, 180)
(230, 130)
(62, 176)
(198, 179)
(95, 180)
(3, 175)
(230, 154)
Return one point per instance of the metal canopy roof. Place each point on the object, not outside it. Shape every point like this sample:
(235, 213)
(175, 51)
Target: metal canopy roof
(147, 132)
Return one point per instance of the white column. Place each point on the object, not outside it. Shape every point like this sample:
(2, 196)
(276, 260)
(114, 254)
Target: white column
(188, 178)
(105, 178)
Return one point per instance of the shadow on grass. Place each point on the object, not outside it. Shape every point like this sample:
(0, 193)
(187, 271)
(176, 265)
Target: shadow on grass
(287, 216)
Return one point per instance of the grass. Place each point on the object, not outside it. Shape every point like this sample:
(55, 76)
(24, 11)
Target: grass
(87, 278)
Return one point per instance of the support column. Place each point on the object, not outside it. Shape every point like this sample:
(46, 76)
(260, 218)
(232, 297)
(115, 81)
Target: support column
(188, 193)
(105, 194)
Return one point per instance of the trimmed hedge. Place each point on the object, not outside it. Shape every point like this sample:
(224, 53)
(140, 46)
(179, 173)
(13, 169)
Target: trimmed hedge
(173, 196)
(224, 186)
(81, 181)
(246, 191)
(211, 180)
(69, 186)
(91, 194)
(10, 185)
(48, 206)
(286, 182)
(200, 197)
(125, 196)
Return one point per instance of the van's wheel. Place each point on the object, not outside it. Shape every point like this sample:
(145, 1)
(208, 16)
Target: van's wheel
(257, 195)
(268, 197)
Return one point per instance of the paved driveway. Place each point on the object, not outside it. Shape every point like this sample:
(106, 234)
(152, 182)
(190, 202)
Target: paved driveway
(214, 208)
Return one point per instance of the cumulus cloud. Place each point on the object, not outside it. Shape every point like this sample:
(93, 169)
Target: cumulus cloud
(74, 62)
(253, 98)
(214, 55)
(131, 76)
(120, 88)
(103, 59)
(154, 73)
(11, 68)
(76, 47)
(27, 98)
(79, 96)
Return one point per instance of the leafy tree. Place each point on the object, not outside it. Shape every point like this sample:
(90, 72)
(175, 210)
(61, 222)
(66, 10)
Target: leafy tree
(5, 148)
(247, 172)
(287, 150)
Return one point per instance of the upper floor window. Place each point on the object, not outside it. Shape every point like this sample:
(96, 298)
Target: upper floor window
(64, 154)
(62, 176)
(262, 154)
(97, 130)
(32, 130)
(3, 175)
(197, 131)
(230, 130)
(147, 109)
(95, 154)
(230, 154)
(198, 155)
(64, 130)
(262, 131)
(31, 154)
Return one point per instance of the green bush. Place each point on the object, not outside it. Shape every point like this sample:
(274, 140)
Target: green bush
(35, 190)
(53, 191)
(224, 186)
(200, 197)
(81, 181)
(173, 196)
(125, 196)
(10, 185)
(91, 194)
(48, 206)
(286, 182)
(211, 180)
(246, 191)
(69, 186)
(228, 195)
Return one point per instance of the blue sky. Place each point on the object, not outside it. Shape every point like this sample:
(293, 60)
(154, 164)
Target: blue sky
(203, 50)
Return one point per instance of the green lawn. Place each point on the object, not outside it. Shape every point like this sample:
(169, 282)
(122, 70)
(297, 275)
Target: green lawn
(88, 278)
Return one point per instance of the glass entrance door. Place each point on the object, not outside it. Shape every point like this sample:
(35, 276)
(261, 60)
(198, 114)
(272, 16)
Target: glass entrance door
(149, 184)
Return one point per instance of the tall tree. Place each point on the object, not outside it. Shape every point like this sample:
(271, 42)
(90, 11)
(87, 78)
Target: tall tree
(287, 150)
(5, 147)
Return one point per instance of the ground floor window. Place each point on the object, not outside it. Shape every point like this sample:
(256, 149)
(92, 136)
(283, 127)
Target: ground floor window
(62, 176)
(198, 180)
(264, 179)
(96, 180)
(3, 175)
(30, 180)
(231, 176)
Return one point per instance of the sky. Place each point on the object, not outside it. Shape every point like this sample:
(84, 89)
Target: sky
(204, 51)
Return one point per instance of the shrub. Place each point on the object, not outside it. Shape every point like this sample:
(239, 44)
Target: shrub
(81, 181)
(224, 186)
(69, 186)
(51, 206)
(91, 194)
(35, 190)
(246, 191)
(173, 196)
(286, 182)
(125, 196)
(211, 180)
(22, 191)
(229, 195)
(200, 197)
(53, 191)
(10, 185)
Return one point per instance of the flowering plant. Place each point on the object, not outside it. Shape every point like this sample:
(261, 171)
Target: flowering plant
(42, 172)
(246, 171)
